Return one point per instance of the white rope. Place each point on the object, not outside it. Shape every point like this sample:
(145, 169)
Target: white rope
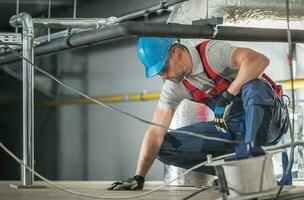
(102, 197)
(270, 148)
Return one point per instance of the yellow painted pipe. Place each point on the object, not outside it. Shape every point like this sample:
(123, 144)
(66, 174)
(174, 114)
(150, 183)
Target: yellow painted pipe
(104, 99)
(298, 84)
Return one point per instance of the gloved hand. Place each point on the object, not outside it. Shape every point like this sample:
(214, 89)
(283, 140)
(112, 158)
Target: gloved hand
(221, 111)
(135, 183)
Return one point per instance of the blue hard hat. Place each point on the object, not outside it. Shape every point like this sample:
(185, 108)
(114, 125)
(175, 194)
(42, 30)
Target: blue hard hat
(153, 53)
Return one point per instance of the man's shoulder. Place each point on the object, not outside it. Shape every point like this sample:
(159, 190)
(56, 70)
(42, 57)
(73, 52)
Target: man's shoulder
(172, 94)
(215, 43)
(171, 89)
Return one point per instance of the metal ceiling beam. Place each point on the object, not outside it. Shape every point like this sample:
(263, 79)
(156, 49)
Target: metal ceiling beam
(126, 29)
(39, 2)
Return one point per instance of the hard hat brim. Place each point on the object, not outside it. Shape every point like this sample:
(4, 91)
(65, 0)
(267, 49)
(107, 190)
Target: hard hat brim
(156, 69)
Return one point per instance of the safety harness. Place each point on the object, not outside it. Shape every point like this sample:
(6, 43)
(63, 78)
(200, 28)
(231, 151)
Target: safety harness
(221, 84)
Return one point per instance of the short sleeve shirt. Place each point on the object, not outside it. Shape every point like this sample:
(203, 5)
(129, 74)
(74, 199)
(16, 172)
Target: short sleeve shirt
(219, 57)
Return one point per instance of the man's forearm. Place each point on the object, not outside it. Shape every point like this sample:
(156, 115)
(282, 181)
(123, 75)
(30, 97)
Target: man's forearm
(148, 153)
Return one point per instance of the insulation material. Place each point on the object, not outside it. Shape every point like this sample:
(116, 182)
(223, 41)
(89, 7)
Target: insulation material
(188, 112)
(187, 12)
(240, 10)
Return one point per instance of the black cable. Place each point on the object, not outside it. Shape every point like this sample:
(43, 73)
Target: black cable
(288, 168)
(196, 193)
(290, 196)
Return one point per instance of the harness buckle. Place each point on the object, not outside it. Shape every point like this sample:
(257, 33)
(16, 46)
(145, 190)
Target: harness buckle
(211, 93)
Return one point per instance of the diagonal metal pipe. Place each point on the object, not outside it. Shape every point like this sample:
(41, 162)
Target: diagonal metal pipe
(126, 29)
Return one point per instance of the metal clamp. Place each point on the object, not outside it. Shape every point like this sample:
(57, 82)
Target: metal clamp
(11, 39)
(213, 22)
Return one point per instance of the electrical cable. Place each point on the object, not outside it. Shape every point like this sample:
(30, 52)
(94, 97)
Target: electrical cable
(116, 109)
(283, 146)
(100, 197)
(297, 196)
(270, 148)
(290, 163)
(197, 192)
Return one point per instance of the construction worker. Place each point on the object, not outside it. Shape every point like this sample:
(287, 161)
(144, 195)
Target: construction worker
(229, 80)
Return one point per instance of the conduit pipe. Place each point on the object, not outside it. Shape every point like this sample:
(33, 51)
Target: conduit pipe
(161, 30)
(24, 19)
(103, 99)
(298, 84)
(82, 101)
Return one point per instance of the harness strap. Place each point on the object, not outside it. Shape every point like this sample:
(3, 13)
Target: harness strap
(276, 87)
(221, 84)
(197, 94)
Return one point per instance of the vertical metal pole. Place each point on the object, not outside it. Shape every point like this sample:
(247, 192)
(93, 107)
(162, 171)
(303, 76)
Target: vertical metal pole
(294, 60)
(25, 21)
(28, 100)
(207, 5)
(17, 12)
(49, 16)
(75, 9)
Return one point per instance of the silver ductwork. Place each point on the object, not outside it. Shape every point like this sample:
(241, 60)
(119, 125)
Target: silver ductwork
(188, 113)
(242, 10)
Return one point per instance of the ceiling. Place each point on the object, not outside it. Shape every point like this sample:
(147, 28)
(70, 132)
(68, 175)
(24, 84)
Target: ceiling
(34, 7)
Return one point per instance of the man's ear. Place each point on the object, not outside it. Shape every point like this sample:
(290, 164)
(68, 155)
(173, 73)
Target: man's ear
(178, 52)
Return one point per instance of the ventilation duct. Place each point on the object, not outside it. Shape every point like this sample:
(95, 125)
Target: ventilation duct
(242, 10)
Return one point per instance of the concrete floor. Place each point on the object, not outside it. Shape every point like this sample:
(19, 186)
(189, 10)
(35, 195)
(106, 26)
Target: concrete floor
(99, 188)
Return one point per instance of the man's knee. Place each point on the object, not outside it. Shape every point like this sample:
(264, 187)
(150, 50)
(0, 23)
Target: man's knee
(166, 158)
(257, 92)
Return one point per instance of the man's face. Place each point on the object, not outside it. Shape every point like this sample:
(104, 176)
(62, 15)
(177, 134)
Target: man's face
(173, 69)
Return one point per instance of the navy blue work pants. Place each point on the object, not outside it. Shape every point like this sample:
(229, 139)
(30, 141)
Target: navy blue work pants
(257, 116)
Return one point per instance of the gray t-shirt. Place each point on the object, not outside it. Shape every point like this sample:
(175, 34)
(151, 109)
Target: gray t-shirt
(219, 57)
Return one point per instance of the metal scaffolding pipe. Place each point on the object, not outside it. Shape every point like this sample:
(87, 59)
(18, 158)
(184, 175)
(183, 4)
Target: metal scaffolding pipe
(24, 19)
(72, 23)
(161, 30)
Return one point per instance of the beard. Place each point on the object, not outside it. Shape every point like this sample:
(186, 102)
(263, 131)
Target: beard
(177, 79)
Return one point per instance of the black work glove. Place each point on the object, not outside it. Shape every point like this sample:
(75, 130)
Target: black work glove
(221, 111)
(135, 183)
